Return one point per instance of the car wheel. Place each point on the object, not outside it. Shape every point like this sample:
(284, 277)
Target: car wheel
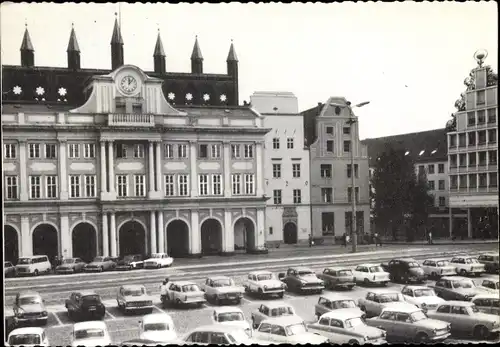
(36, 272)
(101, 269)
(216, 300)
(178, 302)
(481, 332)
(422, 338)
(260, 292)
(238, 301)
(463, 272)
(366, 282)
(353, 342)
(158, 266)
(280, 295)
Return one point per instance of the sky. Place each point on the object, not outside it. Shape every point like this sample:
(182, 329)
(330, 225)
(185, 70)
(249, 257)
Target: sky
(408, 59)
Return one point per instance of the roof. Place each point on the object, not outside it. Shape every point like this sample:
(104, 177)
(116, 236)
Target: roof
(26, 45)
(260, 272)
(217, 328)
(301, 268)
(486, 296)
(156, 317)
(27, 330)
(217, 111)
(275, 304)
(335, 296)
(28, 293)
(117, 34)
(232, 53)
(227, 309)
(283, 320)
(417, 287)
(184, 283)
(424, 146)
(196, 50)
(213, 278)
(401, 307)
(89, 325)
(132, 286)
(159, 51)
(87, 292)
(457, 303)
(343, 314)
(73, 42)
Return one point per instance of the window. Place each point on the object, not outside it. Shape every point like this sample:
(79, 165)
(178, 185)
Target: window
(471, 118)
(453, 141)
(482, 158)
(289, 143)
(349, 194)
(492, 136)
(277, 196)
(297, 196)
(493, 179)
(296, 170)
(276, 143)
(50, 151)
(122, 185)
(203, 184)
(472, 159)
(249, 184)
(140, 185)
(51, 187)
(328, 223)
(492, 157)
(137, 108)
(326, 170)
(481, 97)
(203, 151)
(442, 201)
(454, 182)
(329, 130)
(326, 194)
(329, 146)
(139, 151)
(472, 138)
(169, 185)
(441, 184)
(90, 186)
(430, 168)
(88, 150)
(461, 140)
(236, 184)
(34, 150)
(276, 170)
(481, 117)
(349, 171)
(215, 151)
(120, 107)
(481, 137)
(74, 150)
(183, 185)
(9, 150)
(347, 146)
(35, 187)
(492, 116)
(217, 184)
(462, 159)
(121, 150)
(248, 151)
(182, 151)
(270, 230)
(432, 185)
(346, 131)
(169, 151)
(235, 151)
(74, 186)
(440, 168)
(11, 188)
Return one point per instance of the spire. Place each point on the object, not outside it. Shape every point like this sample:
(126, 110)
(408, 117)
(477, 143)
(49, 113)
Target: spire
(232, 53)
(117, 33)
(159, 56)
(73, 51)
(27, 50)
(73, 42)
(159, 52)
(27, 45)
(116, 46)
(196, 55)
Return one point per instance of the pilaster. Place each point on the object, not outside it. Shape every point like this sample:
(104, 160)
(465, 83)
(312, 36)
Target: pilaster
(229, 232)
(151, 172)
(113, 239)
(194, 170)
(161, 233)
(159, 174)
(259, 171)
(26, 239)
(260, 229)
(23, 175)
(227, 169)
(105, 235)
(104, 179)
(469, 224)
(195, 240)
(66, 244)
(152, 231)
(111, 172)
(63, 171)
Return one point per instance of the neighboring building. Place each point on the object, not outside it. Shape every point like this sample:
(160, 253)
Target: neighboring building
(126, 172)
(286, 168)
(473, 157)
(329, 139)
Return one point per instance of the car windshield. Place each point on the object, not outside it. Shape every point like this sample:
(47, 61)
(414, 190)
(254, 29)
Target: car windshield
(354, 322)
(306, 273)
(190, 288)
(413, 265)
(296, 329)
(156, 327)
(223, 283)
(424, 292)
(29, 300)
(344, 304)
(281, 311)
(264, 277)
(230, 317)
(443, 263)
(98, 259)
(390, 297)
(466, 284)
(157, 255)
(135, 292)
(344, 273)
(91, 298)
(68, 261)
(474, 309)
(418, 316)
(24, 261)
(375, 269)
(25, 339)
(89, 333)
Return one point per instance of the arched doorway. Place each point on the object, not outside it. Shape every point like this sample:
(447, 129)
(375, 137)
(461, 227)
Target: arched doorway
(244, 234)
(132, 238)
(11, 244)
(177, 238)
(46, 241)
(290, 233)
(84, 240)
(211, 237)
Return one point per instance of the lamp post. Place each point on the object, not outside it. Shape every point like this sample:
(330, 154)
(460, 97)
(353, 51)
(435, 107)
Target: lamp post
(352, 120)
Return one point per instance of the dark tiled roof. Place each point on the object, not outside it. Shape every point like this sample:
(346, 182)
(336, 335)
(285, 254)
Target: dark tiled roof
(310, 123)
(34, 108)
(425, 146)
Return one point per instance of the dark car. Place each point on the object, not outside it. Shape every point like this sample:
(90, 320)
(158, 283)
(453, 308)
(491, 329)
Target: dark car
(457, 288)
(9, 270)
(130, 262)
(70, 265)
(404, 270)
(85, 305)
(302, 280)
(29, 308)
(140, 342)
(490, 261)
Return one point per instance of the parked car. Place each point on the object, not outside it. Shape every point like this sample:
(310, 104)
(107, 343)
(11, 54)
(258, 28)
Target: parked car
(271, 310)
(290, 330)
(375, 301)
(422, 297)
(90, 334)
(130, 262)
(332, 302)
(70, 265)
(219, 289)
(487, 303)
(157, 327)
(33, 265)
(264, 283)
(231, 316)
(149, 343)
(302, 280)
(133, 298)
(456, 288)
(184, 293)
(32, 336)
(404, 270)
(158, 260)
(490, 286)
(341, 327)
(490, 261)
(437, 268)
(337, 278)
(9, 270)
(218, 334)
(466, 319)
(100, 264)
(85, 304)
(466, 265)
(370, 274)
(29, 308)
(406, 322)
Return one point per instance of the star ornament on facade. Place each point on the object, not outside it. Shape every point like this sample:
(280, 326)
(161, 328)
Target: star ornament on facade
(40, 91)
(17, 90)
(62, 91)
(206, 97)
(189, 96)
(223, 97)
(171, 96)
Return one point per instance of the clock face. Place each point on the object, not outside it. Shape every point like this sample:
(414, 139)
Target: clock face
(128, 84)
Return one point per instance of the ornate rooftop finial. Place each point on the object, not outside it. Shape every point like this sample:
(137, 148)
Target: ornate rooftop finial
(232, 53)
(73, 42)
(480, 56)
(196, 55)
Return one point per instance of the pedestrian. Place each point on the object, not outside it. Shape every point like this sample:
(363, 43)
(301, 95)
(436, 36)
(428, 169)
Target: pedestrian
(430, 237)
(310, 241)
(376, 239)
(344, 239)
(163, 292)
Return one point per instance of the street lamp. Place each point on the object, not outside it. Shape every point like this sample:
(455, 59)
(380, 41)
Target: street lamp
(351, 122)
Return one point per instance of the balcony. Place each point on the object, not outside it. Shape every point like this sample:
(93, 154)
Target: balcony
(131, 120)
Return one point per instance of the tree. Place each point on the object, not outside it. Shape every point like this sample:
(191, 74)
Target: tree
(422, 202)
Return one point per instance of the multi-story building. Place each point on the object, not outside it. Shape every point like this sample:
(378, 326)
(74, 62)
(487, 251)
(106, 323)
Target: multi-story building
(330, 142)
(473, 156)
(286, 168)
(126, 171)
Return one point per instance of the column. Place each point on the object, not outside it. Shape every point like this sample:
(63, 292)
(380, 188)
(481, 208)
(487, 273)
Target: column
(151, 170)
(259, 171)
(23, 176)
(111, 170)
(104, 179)
(152, 231)
(113, 240)
(227, 170)
(63, 175)
(26, 243)
(229, 232)
(159, 174)
(105, 235)
(450, 217)
(194, 170)
(66, 244)
(161, 233)
(260, 229)
(194, 238)
(469, 224)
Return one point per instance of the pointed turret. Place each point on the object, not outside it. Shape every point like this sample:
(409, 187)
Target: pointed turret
(159, 56)
(116, 46)
(73, 51)
(27, 50)
(232, 70)
(196, 58)
(232, 54)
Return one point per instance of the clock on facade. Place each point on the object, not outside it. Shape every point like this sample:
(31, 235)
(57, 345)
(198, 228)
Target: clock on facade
(128, 84)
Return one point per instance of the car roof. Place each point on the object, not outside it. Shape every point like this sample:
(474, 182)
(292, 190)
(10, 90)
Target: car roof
(87, 292)
(338, 268)
(283, 320)
(89, 325)
(400, 307)
(455, 278)
(260, 272)
(28, 293)
(405, 259)
(227, 309)
(343, 314)
(132, 255)
(32, 256)
(218, 328)
(300, 268)
(132, 286)
(368, 264)
(486, 296)
(28, 330)
(183, 283)
(157, 317)
(335, 296)
(274, 304)
(436, 259)
(456, 303)
(213, 278)
(416, 287)
(464, 256)
(384, 291)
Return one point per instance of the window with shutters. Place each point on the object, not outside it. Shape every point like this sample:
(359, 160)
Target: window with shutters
(169, 185)
(50, 151)
(34, 150)
(9, 151)
(74, 186)
(11, 188)
(140, 185)
(183, 181)
(249, 184)
(51, 187)
(203, 184)
(236, 184)
(90, 186)
(89, 150)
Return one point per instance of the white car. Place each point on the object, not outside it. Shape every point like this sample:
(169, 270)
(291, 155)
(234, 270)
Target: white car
(158, 327)
(376, 300)
(33, 336)
(220, 289)
(158, 260)
(370, 274)
(218, 334)
(290, 330)
(264, 283)
(90, 334)
(465, 265)
(422, 297)
(436, 268)
(233, 316)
